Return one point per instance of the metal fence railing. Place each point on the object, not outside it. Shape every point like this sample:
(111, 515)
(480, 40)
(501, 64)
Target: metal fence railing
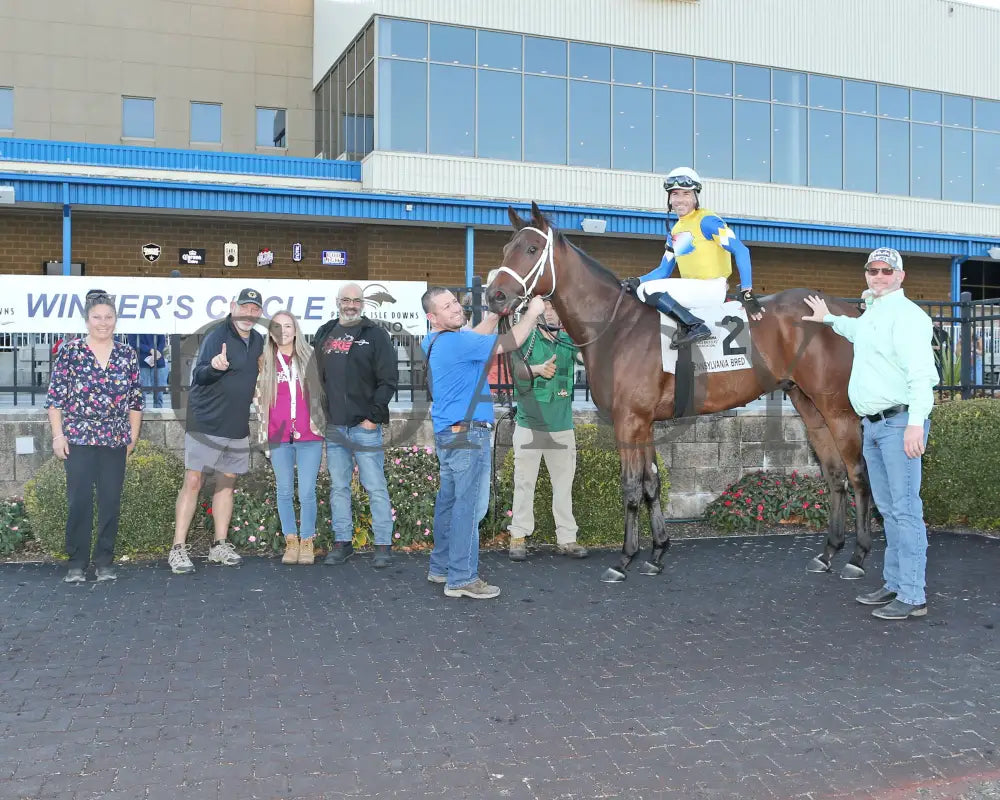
(966, 344)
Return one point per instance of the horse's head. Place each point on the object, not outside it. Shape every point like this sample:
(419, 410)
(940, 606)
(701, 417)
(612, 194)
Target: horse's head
(527, 268)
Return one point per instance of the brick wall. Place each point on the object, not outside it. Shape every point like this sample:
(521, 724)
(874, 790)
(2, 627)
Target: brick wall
(109, 244)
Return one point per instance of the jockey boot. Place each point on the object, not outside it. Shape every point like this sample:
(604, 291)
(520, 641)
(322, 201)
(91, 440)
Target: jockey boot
(690, 328)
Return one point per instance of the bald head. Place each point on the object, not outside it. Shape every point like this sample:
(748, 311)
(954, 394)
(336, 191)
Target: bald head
(350, 303)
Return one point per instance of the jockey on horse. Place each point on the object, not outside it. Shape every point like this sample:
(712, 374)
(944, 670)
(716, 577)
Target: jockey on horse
(702, 246)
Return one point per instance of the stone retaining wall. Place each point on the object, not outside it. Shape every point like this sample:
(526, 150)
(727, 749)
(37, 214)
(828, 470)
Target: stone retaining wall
(704, 455)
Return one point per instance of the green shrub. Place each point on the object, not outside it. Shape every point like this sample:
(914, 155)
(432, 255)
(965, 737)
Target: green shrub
(411, 477)
(153, 478)
(15, 529)
(961, 484)
(597, 492)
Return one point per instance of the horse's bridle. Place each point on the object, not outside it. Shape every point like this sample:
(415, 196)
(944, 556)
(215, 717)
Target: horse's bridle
(536, 272)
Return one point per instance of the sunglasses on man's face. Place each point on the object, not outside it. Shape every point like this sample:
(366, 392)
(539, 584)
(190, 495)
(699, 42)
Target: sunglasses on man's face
(877, 270)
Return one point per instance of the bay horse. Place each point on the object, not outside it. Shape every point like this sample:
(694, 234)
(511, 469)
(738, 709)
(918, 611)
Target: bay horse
(620, 339)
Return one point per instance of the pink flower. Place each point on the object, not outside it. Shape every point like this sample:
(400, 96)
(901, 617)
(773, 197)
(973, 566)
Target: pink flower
(728, 503)
(805, 505)
(236, 528)
(816, 506)
(430, 477)
(260, 528)
(14, 528)
(251, 539)
(759, 516)
(428, 450)
(418, 522)
(397, 461)
(427, 532)
(510, 513)
(414, 494)
(396, 536)
(760, 507)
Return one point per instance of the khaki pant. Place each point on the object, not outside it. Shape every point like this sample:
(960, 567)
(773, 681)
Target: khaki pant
(559, 451)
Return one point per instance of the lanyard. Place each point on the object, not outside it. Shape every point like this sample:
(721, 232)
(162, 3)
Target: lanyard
(292, 376)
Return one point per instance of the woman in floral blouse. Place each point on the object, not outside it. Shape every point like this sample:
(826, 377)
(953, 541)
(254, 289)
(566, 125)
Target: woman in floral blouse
(95, 410)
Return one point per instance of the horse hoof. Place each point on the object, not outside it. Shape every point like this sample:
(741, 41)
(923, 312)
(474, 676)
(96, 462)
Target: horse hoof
(649, 568)
(850, 572)
(817, 565)
(612, 575)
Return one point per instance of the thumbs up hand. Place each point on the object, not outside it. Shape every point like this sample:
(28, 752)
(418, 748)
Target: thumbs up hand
(220, 362)
(546, 369)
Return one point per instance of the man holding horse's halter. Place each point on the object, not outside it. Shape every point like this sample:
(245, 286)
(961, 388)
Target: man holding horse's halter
(892, 389)
(703, 247)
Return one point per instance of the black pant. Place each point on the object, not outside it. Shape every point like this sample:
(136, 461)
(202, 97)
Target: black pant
(87, 466)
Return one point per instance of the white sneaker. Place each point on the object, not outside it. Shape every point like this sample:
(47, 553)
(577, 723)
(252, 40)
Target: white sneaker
(225, 554)
(179, 559)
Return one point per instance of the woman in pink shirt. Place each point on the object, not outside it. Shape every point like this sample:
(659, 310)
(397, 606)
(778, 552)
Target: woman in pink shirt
(290, 404)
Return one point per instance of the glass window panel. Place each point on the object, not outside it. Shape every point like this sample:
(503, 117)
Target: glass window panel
(826, 149)
(367, 118)
(859, 97)
(753, 83)
(402, 38)
(339, 105)
(826, 92)
(633, 66)
(206, 123)
(499, 123)
(633, 129)
(986, 168)
(752, 158)
(859, 153)
(6, 109)
(452, 112)
(987, 115)
(351, 132)
(589, 124)
(319, 132)
(957, 110)
(453, 45)
(673, 72)
(350, 65)
(925, 161)
(714, 77)
(790, 145)
(713, 154)
(893, 157)
(956, 165)
(590, 61)
(270, 127)
(788, 87)
(674, 130)
(925, 106)
(499, 50)
(402, 106)
(137, 117)
(893, 102)
(545, 108)
(545, 56)
(369, 44)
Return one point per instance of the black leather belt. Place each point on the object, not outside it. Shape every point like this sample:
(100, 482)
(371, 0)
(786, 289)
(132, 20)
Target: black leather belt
(458, 427)
(889, 412)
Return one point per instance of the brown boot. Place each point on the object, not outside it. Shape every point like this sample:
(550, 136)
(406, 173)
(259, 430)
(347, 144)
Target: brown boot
(306, 551)
(291, 555)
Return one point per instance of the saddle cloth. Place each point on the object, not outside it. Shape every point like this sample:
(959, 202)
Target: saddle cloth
(727, 349)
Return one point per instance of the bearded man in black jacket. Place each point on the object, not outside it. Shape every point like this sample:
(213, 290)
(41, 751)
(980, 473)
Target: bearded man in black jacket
(357, 367)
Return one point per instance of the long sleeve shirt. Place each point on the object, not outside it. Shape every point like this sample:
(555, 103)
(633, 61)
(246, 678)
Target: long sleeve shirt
(704, 246)
(893, 358)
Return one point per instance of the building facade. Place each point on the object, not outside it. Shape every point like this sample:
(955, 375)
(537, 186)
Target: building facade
(398, 131)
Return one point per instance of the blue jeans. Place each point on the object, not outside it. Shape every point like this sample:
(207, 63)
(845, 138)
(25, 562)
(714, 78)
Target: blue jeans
(150, 377)
(346, 446)
(284, 459)
(461, 503)
(895, 482)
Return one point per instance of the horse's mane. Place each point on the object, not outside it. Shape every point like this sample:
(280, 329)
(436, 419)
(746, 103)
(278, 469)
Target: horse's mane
(592, 263)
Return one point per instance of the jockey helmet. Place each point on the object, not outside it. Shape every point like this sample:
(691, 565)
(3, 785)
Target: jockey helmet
(682, 178)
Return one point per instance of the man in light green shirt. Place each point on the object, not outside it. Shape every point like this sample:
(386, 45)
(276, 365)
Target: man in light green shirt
(892, 390)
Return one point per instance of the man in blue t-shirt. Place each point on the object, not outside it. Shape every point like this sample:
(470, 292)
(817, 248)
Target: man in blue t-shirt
(462, 412)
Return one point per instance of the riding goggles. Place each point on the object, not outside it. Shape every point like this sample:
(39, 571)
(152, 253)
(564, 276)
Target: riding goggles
(681, 182)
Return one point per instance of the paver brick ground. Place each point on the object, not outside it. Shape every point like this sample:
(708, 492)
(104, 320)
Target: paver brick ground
(735, 674)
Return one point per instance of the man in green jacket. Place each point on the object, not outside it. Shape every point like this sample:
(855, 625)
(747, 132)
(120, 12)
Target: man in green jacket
(892, 390)
(543, 381)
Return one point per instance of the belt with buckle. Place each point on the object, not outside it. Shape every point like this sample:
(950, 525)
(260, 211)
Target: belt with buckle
(889, 412)
(458, 427)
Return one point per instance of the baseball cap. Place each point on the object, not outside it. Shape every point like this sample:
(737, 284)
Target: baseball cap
(249, 296)
(887, 255)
